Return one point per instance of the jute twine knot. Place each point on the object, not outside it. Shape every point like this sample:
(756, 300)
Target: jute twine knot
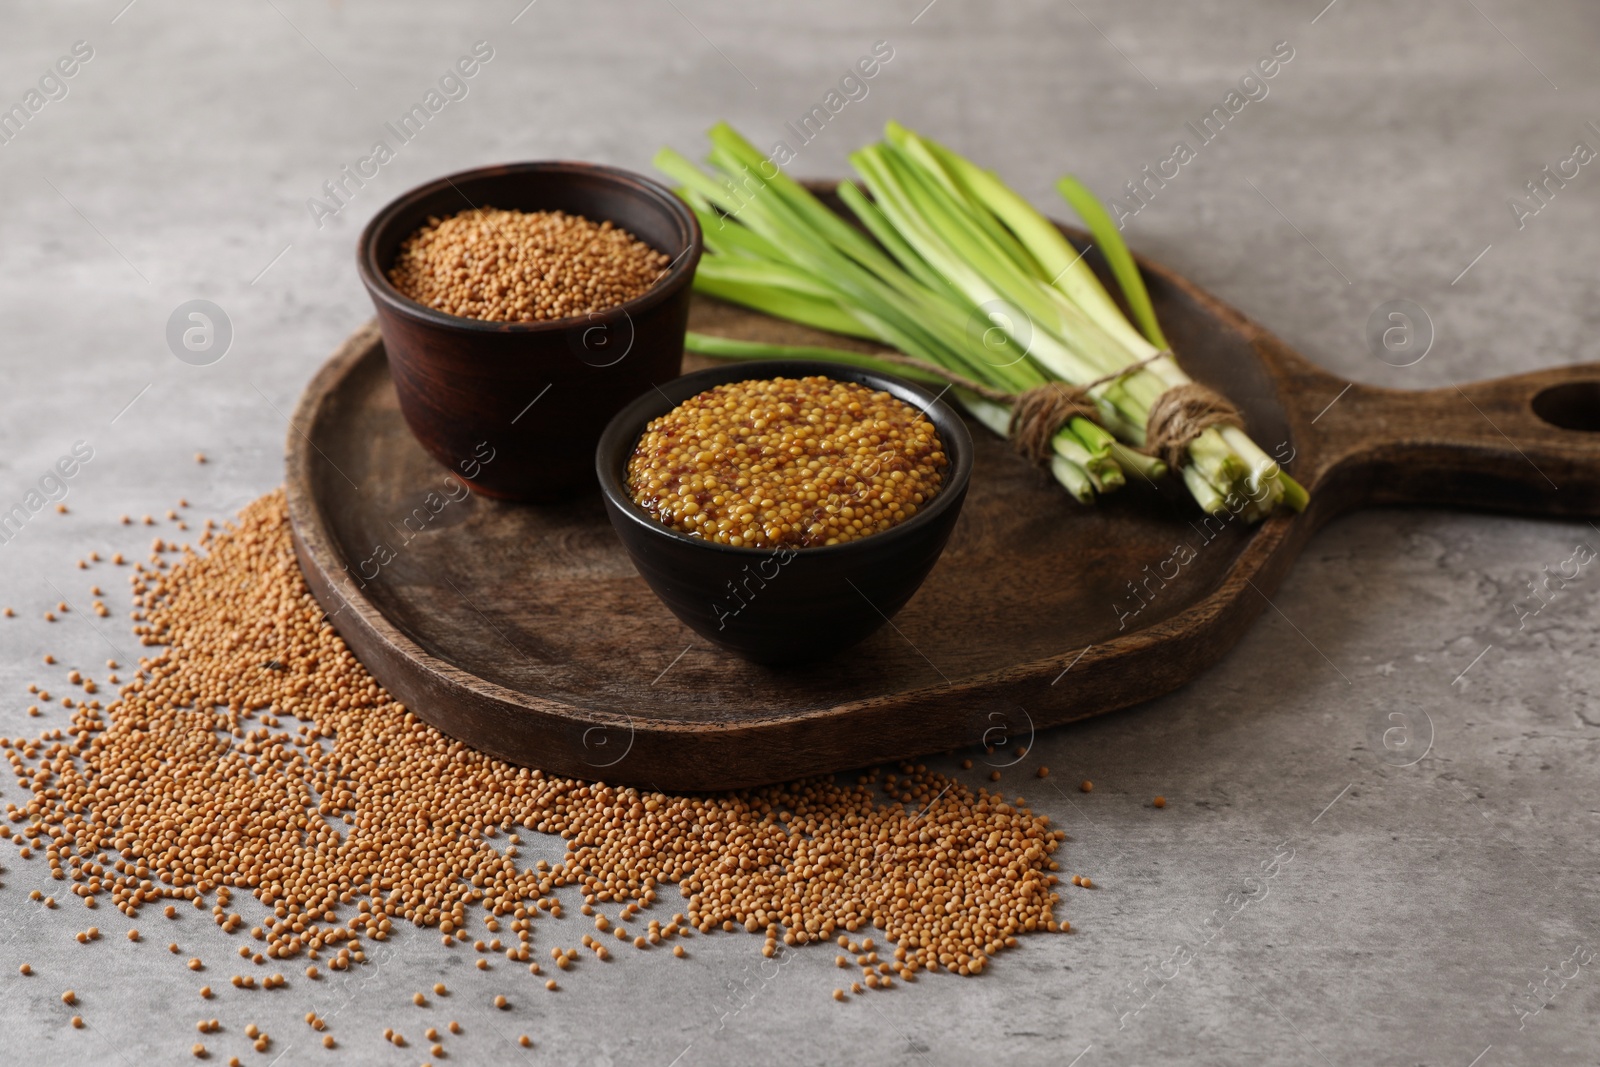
(1181, 414)
(1038, 413)
(1178, 416)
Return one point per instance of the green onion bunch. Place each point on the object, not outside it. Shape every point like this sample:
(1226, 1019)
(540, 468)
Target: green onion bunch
(955, 270)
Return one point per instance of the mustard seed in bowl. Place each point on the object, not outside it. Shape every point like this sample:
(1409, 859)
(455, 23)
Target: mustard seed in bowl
(787, 462)
(523, 266)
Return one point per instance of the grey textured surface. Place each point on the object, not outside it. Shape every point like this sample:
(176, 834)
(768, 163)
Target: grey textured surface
(1418, 902)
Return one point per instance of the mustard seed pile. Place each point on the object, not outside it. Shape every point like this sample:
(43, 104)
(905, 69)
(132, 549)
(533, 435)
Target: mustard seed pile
(523, 266)
(787, 462)
(252, 753)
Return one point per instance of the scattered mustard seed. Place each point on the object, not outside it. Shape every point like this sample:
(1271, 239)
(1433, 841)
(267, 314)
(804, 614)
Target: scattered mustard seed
(259, 667)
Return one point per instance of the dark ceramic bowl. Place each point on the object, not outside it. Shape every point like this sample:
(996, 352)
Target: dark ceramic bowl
(788, 605)
(515, 408)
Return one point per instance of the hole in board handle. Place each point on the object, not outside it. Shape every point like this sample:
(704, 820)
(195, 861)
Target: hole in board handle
(1570, 406)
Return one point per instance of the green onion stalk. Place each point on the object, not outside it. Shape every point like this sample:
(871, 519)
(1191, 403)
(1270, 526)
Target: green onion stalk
(955, 270)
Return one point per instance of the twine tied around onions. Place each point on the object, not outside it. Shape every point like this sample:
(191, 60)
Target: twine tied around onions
(1181, 414)
(1178, 416)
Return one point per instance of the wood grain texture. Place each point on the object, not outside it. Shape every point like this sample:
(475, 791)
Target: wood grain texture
(523, 630)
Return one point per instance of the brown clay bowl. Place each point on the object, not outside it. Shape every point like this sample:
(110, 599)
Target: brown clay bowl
(515, 409)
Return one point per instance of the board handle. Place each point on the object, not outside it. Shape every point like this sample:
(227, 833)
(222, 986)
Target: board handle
(1528, 444)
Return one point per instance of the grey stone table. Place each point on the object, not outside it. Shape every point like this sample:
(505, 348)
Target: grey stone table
(1430, 903)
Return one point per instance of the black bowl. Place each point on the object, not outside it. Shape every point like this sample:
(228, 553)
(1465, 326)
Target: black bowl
(515, 408)
(785, 605)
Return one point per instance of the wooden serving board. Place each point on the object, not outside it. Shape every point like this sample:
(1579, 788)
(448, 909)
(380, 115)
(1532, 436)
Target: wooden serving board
(524, 630)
